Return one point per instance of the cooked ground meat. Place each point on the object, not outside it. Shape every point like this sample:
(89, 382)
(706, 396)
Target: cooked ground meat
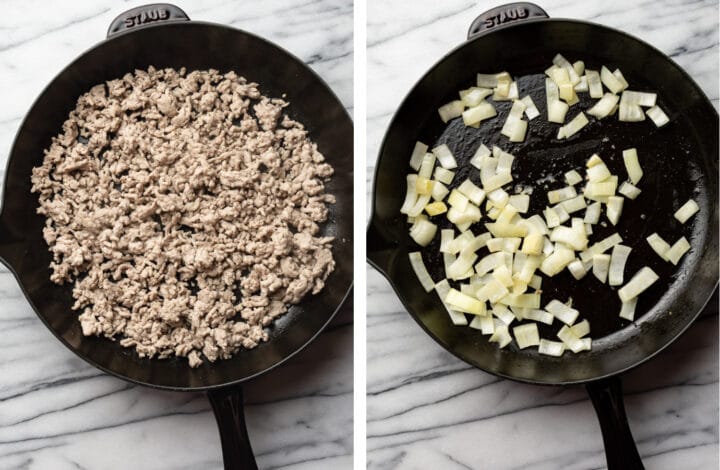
(184, 208)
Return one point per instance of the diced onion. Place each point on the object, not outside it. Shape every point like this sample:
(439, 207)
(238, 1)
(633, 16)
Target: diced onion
(521, 202)
(570, 340)
(496, 181)
(605, 106)
(601, 247)
(526, 335)
(504, 160)
(620, 254)
(573, 127)
(598, 173)
(503, 275)
(577, 269)
(594, 83)
(480, 155)
(659, 245)
(423, 232)
(629, 190)
(592, 214)
(473, 193)
(442, 288)
(474, 96)
(492, 291)
(627, 310)
(618, 74)
(561, 194)
(485, 324)
(418, 153)
(439, 191)
(521, 300)
(632, 165)
(489, 263)
(427, 165)
(538, 315)
(601, 189)
(535, 224)
(445, 157)
(498, 198)
(575, 239)
(687, 210)
(610, 81)
(572, 178)
(582, 86)
(421, 271)
(551, 348)
(657, 116)
(562, 312)
(630, 113)
(637, 98)
(436, 208)
(515, 129)
(579, 67)
(509, 245)
(501, 336)
(423, 186)
(477, 113)
(487, 80)
(637, 285)
(451, 110)
(601, 265)
(556, 108)
(581, 329)
(557, 261)
(614, 209)
(588, 229)
(678, 250)
(411, 195)
(464, 303)
(531, 111)
(443, 175)
(458, 200)
(446, 238)
(573, 205)
(562, 62)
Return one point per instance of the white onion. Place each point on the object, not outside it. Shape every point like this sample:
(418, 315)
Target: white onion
(515, 129)
(445, 157)
(572, 178)
(556, 108)
(614, 209)
(573, 127)
(451, 110)
(572, 238)
(447, 237)
(474, 96)
(577, 269)
(562, 62)
(411, 195)
(499, 198)
(562, 312)
(480, 155)
(687, 210)
(503, 275)
(439, 191)
(569, 339)
(637, 98)
(592, 214)
(582, 86)
(418, 153)
(629, 190)
(610, 81)
(503, 313)
(594, 83)
(561, 212)
(551, 348)
(521, 202)
(427, 165)
(473, 193)
(637, 285)
(535, 282)
(533, 244)
(490, 262)
(501, 336)
(630, 113)
(601, 265)
(423, 232)
(485, 324)
(448, 260)
(593, 160)
(477, 113)
(605, 106)
(620, 254)
(627, 310)
(510, 244)
(601, 190)
(421, 271)
(579, 67)
(588, 229)
(436, 208)
(492, 291)
(632, 165)
(657, 116)
(443, 175)
(561, 194)
(659, 245)
(618, 74)
(535, 224)
(581, 329)
(598, 173)
(521, 300)
(526, 335)
(557, 261)
(487, 80)
(601, 247)
(538, 315)
(573, 205)
(551, 217)
(678, 250)
(442, 288)
(531, 111)
(496, 181)
(464, 303)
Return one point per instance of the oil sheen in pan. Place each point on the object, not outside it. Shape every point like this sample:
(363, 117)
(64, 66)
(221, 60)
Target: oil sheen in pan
(669, 180)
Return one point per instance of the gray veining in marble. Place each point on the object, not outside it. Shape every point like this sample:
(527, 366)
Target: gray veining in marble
(427, 409)
(56, 412)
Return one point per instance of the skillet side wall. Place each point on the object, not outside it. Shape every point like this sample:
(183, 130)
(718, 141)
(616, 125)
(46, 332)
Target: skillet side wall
(681, 162)
(194, 45)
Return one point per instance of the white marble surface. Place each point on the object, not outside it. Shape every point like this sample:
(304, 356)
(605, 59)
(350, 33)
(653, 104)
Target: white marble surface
(56, 412)
(427, 409)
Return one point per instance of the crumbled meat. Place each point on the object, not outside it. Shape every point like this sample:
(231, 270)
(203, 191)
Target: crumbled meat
(184, 209)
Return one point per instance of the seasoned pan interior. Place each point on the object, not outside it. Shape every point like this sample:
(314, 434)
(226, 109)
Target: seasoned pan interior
(679, 162)
(194, 46)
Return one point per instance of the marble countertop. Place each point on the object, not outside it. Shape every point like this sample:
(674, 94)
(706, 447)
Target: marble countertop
(427, 409)
(57, 412)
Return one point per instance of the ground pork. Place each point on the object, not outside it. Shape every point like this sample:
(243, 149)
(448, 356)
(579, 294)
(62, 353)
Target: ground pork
(184, 208)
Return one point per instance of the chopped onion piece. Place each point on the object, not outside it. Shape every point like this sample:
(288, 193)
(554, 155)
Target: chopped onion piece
(442, 288)
(533, 244)
(657, 116)
(501, 336)
(521, 300)
(480, 155)
(551, 348)
(521, 202)
(418, 153)
(614, 209)
(515, 129)
(423, 232)
(629, 190)
(588, 229)
(562, 62)
(601, 189)
(512, 93)
(445, 157)
(610, 81)
(557, 261)
(459, 217)
(492, 291)
(601, 266)
(443, 175)
(581, 329)
(600, 247)
(573, 205)
(439, 191)
(535, 282)
(562, 312)
(473, 193)
(582, 86)
(526, 335)
(620, 255)
(551, 217)
(487, 80)
(632, 165)
(556, 108)
(594, 83)
(605, 106)
(496, 181)
(627, 310)
(489, 263)
(504, 160)
(503, 313)
(569, 339)
(436, 208)
(538, 315)
(561, 212)
(503, 275)
(577, 269)
(411, 195)
(421, 271)
(477, 113)
(499, 198)
(678, 250)
(637, 285)
(535, 224)
(575, 239)
(451, 110)
(592, 214)
(572, 178)
(458, 200)
(423, 186)
(573, 127)
(687, 210)
(509, 245)
(447, 237)
(561, 194)
(618, 74)
(630, 113)
(474, 96)
(464, 303)
(638, 98)
(593, 160)
(579, 67)
(448, 260)
(420, 204)
(531, 110)
(485, 324)
(427, 165)
(660, 246)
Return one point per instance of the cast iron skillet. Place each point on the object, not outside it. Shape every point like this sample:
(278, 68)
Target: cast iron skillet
(680, 161)
(161, 35)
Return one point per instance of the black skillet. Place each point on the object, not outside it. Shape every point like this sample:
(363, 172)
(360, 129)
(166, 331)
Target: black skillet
(161, 35)
(680, 161)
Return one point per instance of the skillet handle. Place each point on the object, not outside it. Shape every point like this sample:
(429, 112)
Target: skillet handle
(145, 15)
(227, 404)
(502, 15)
(620, 450)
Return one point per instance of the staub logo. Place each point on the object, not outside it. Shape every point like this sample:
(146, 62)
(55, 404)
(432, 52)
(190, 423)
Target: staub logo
(147, 16)
(507, 15)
